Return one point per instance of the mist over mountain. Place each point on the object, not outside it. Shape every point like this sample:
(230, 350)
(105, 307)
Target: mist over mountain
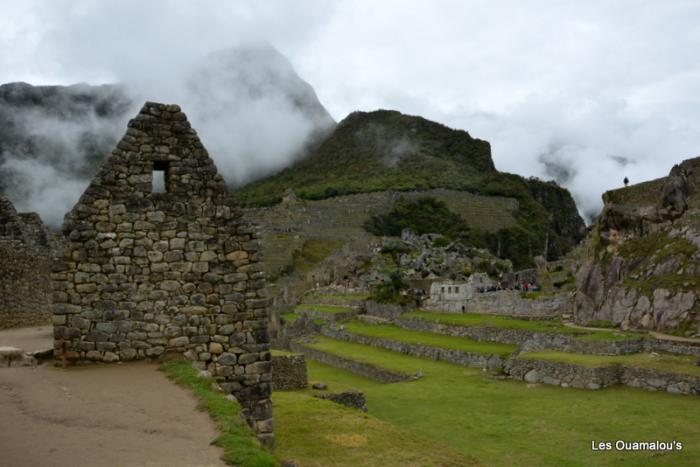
(255, 114)
(386, 150)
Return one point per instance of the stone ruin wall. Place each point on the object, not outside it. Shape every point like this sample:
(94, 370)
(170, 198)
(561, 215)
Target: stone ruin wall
(147, 275)
(25, 268)
(289, 372)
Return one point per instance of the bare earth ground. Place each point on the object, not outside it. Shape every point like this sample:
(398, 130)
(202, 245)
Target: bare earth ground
(109, 415)
(658, 335)
(28, 339)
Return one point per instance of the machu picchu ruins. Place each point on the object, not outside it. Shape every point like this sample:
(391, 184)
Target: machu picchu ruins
(471, 238)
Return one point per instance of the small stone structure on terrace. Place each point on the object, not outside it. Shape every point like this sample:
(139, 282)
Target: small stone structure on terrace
(158, 262)
(25, 268)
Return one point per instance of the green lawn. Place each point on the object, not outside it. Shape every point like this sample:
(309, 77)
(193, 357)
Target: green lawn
(502, 423)
(315, 432)
(551, 326)
(664, 361)
(290, 317)
(389, 332)
(324, 308)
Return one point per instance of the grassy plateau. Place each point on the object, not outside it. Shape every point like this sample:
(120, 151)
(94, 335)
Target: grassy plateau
(550, 326)
(389, 332)
(487, 421)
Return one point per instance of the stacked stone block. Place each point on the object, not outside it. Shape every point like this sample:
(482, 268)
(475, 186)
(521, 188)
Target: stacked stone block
(145, 273)
(25, 268)
(289, 372)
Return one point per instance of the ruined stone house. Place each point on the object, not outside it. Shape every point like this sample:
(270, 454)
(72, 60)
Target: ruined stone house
(158, 262)
(454, 296)
(25, 268)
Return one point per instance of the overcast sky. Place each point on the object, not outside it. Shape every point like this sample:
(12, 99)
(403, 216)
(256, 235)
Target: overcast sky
(588, 92)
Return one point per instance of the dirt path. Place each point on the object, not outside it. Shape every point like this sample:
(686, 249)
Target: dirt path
(657, 335)
(28, 339)
(569, 324)
(670, 337)
(112, 415)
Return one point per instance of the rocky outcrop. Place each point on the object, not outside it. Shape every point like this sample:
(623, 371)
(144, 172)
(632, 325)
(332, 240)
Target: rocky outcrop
(640, 265)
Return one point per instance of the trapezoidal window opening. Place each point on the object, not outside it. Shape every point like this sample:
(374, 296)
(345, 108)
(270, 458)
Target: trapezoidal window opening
(160, 177)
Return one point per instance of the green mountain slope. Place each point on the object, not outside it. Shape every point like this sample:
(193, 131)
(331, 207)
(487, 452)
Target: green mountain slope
(386, 150)
(379, 151)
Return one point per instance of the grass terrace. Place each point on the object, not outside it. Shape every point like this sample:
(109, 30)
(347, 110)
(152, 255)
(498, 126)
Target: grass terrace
(315, 432)
(491, 422)
(290, 317)
(659, 361)
(333, 298)
(394, 333)
(332, 309)
(550, 326)
(376, 356)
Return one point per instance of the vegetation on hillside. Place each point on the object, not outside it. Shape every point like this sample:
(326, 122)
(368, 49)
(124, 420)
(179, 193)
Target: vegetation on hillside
(386, 150)
(377, 151)
(422, 216)
(390, 291)
(518, 243)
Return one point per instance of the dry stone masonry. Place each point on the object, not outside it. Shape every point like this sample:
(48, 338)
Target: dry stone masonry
(25, 268)
(156, 269)
(289, 372)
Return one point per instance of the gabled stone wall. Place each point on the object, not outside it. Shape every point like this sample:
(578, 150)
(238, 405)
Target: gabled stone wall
(146, 274)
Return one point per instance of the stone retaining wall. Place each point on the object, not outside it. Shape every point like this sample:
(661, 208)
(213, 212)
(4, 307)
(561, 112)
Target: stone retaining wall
(459, 357)
(302, 326)
(352, 399)
(289, 372)
(510, 303)
(680, 348)
(569, 375)
(364, 369)
(657, 380)
(561, 373)
(533, 340)
(330, 317)
(383, 310)
(25, 268)
(25, 286)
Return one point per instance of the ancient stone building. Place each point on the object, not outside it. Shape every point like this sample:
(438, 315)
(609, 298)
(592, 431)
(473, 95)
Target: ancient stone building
(158, 262)
(25, 268)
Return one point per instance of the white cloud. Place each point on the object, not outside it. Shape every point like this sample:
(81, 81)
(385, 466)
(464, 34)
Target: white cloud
(596, 79)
